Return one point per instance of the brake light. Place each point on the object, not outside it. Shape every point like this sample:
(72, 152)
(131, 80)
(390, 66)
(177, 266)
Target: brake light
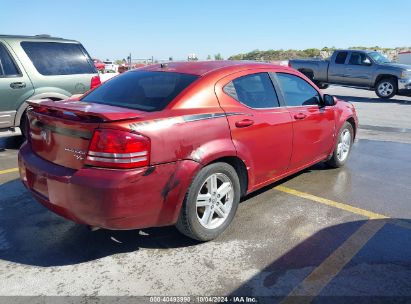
(95, 82)
(118, 149)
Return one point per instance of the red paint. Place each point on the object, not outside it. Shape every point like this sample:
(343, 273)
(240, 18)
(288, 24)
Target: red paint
(272, 143)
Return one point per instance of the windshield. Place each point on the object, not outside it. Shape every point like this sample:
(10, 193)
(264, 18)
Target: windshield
(379, 58)
(141, 90)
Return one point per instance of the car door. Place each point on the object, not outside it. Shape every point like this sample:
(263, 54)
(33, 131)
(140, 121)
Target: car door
(359, 69)
(261, 130)
(313, 124)
(15, 86)
(336, 68)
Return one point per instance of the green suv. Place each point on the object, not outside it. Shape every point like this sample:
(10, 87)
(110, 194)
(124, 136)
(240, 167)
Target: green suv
(37, 67)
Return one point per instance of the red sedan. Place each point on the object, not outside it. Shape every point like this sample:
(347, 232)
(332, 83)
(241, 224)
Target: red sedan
(180, 143)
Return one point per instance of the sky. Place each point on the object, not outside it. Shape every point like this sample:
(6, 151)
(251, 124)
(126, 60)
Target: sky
(112, 29)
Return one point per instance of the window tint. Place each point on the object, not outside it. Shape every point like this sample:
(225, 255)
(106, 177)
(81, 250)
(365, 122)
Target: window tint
(359, 59)
(255, 91)
(340, 58)
(141, 90)
(53, 58)
(296, 91)
(7, 66)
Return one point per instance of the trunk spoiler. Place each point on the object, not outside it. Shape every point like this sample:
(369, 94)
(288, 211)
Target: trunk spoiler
(79, 110)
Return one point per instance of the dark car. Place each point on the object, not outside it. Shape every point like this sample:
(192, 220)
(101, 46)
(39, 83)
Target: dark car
(180, 143)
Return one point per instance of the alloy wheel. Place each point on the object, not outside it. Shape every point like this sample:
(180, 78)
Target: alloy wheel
(344, 145)
(385, 88)
(214, 201)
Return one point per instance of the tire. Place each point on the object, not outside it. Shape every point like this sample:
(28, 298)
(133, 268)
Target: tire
(386, 88)
(321, 85)
(24, 125)
(342, 149)
(206, 217)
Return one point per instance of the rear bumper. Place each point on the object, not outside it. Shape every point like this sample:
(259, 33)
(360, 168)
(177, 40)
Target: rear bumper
(111, 199)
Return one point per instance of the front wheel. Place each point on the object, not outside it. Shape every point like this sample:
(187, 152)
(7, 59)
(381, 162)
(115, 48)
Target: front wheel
(386, 88)
(210, 203)
(343, 147)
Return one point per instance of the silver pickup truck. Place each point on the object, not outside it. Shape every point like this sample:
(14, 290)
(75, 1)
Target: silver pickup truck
(367, 69)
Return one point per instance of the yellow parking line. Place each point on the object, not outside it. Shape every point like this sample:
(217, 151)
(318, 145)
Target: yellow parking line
(312, 285)
(9, 170)
(359, 211)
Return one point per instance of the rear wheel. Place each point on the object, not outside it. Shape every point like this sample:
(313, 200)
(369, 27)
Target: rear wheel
(24, 125)
(342, 149)
(386, 88)
(321, 85)
(210, 203)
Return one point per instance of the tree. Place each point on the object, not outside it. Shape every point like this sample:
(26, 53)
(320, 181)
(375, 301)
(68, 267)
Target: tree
(218, 57)
(208, 57)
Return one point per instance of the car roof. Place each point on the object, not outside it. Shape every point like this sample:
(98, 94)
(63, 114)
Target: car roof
(42, 37)
(201, 68)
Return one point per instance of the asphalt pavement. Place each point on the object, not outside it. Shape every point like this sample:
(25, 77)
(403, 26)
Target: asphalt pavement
(322, 234)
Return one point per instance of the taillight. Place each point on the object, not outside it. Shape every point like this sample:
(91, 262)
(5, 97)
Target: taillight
(95, 82)
(118, 149)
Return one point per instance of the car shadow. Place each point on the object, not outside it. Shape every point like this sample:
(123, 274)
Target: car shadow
(396, 100)
(317, 167)
(31, 234)
(378, 271)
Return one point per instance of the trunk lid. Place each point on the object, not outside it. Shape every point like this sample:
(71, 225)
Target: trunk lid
(60, 131)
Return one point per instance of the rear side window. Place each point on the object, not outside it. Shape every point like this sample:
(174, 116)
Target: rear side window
(296, 91)
(340, 58)
(7, 65)
(53, 58)
(255, 91)
(141, 90)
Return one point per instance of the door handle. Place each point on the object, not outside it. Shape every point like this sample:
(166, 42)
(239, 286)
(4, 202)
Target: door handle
(244, 123)
(17, 85)
(300, 116)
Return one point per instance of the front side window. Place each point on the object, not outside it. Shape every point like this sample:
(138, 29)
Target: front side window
(255, 91)
(7, 65)
(340, 58)
(296, 91)
(141, 90)
(359, 59)
(54, 58)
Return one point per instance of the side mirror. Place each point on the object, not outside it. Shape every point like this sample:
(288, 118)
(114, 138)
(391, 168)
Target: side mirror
(367, 62)
(328, 100)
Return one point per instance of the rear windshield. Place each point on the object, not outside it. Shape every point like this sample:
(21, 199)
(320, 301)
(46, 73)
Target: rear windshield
(53, 58)
(141, 90)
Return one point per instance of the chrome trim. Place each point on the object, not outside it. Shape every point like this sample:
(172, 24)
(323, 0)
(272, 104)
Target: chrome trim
(117, 160)
(121, 155)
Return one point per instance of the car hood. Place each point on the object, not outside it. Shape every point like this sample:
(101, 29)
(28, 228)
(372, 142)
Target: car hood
(399, 65)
